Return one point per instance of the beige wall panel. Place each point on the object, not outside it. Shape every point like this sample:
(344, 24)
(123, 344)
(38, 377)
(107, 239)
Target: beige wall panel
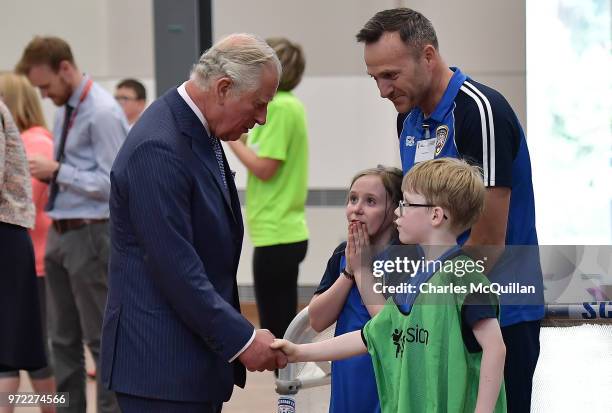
(325, 29)
(131, 39)
(84, 24)
(478, 35)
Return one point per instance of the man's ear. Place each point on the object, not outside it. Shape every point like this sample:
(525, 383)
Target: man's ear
(64, 69)
(223, 86)
(429, 53)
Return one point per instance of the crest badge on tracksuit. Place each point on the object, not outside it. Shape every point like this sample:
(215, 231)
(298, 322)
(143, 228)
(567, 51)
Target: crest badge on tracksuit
(441, 137)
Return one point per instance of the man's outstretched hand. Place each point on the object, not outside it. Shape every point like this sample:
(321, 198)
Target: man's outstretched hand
(259, 356)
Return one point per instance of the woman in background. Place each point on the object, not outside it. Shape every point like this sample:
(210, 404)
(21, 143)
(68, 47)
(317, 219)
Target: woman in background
(23, 103)
(276, 155)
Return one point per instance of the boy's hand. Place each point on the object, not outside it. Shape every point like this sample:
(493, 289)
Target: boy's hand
(290, 349)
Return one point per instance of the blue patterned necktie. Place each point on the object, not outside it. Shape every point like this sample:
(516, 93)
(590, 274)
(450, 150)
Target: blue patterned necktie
(219, 155)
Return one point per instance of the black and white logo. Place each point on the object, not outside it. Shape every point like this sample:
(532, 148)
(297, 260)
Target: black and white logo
(441, 136)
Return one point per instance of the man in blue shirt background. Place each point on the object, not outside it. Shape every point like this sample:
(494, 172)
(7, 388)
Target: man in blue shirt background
(444, 113)
(88, 130)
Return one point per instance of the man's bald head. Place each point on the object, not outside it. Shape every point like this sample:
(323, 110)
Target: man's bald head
(239, 56)
(236, 40)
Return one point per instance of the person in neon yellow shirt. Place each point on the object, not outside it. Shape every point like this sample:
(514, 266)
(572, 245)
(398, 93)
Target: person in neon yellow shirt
(276, 155)
(433, 352)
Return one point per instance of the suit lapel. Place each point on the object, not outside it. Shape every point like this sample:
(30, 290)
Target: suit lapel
(190, 125)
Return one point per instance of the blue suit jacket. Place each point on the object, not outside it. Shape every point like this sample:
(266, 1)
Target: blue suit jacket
(172, 318)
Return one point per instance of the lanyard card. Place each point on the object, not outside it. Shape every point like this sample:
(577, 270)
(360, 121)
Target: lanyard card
(425, 150)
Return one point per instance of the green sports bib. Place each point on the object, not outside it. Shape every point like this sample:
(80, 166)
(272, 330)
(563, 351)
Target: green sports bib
(420, 360)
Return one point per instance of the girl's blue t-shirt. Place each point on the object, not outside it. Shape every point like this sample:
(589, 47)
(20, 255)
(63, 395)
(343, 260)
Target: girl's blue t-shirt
(353, 384)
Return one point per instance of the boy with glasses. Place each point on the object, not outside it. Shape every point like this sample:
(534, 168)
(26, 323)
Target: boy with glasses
(441, 349)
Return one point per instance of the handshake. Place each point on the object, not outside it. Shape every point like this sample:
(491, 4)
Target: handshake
(260, 354)
(269, 353)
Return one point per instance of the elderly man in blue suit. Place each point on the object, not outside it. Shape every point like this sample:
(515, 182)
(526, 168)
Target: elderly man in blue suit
(173, 337)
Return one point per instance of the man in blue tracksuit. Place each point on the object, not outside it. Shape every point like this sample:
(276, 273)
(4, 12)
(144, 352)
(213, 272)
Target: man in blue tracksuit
(444, 113)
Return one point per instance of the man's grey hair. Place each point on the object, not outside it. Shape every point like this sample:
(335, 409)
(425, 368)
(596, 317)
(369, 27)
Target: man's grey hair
(241, 57)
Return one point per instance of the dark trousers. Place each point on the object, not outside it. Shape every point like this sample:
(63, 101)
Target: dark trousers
(135, 404)
(76, 263)
(275, 272)
(522, 351)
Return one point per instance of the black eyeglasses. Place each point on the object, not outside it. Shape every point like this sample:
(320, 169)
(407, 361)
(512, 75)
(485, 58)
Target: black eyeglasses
(404, 204)
(120, 98)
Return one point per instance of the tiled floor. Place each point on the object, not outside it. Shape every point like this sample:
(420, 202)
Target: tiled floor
(257, 397)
